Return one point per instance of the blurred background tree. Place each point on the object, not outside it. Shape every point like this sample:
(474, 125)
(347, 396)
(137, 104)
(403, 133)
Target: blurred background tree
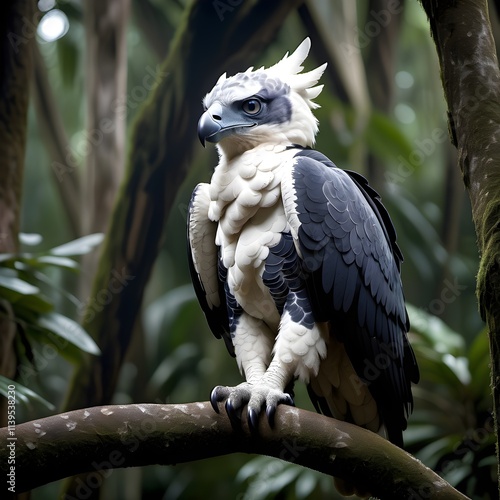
(107, 84)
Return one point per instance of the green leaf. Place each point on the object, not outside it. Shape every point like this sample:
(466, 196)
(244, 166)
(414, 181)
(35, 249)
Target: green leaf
(436, 371)
(5, 257)
(166, 314)
(284, 478)
(29, 304)
(305, 484)
(30, 239)
(14, 284)
(175, 366)
(80, 246)
(21, 393)
(436, 332)
(431, 453)
(53, 260)
(65, 349)
(420, 433)
(488, 461)
(457, 474)
(460, 367)
(69, 330)
(251, 468)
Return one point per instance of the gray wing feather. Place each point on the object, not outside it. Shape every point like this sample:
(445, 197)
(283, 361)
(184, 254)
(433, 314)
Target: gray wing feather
(351, 263)
(204, 265)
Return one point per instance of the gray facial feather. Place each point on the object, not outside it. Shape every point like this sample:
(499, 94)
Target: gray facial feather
(279, 109)
(272, 90)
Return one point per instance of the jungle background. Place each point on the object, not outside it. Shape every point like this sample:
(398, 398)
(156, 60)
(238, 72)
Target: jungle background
(97, 110)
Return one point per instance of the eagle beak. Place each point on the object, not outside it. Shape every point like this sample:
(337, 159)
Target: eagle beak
(210, 124)
(218, 122)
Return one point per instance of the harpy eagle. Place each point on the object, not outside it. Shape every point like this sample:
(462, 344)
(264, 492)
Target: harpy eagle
(294, 261)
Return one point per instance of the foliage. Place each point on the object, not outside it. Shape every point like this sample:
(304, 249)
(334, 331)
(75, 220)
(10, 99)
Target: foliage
(452, 430)
(266, 478)
(27, 292)
(23, 394)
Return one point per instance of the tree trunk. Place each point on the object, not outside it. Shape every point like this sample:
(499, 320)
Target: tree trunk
(380, 69)
(471, 78)
(332, 26)
(18, 28)
(105, 136)
(156, 31)
(64, 171)
(97, 440)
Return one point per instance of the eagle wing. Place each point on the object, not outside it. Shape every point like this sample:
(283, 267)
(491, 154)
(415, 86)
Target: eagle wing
(350, 260)
(207, 271)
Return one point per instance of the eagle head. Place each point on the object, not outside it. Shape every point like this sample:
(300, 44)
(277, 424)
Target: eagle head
(267, 105)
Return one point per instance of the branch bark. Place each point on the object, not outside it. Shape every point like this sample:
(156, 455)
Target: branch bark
(471, 80)
(99, 439)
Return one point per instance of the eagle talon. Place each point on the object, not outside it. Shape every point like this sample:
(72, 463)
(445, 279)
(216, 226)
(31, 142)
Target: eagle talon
(270, 412)
(255, 397)
(233, 411)
(271, 408)
(216, 396)
(253, 419)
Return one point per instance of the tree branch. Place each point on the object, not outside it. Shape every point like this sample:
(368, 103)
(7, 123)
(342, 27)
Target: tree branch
(471, 81)
(96, 440)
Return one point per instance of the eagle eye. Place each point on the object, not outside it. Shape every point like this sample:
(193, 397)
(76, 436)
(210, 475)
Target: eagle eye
(251, 106)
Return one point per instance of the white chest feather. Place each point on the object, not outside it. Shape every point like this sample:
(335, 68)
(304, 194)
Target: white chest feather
(239, 189)
(246, 202)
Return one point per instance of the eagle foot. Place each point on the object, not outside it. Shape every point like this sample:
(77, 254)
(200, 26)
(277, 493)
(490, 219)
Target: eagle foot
(255, 396)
